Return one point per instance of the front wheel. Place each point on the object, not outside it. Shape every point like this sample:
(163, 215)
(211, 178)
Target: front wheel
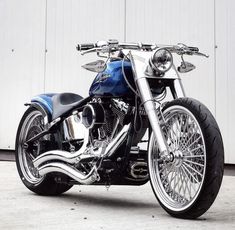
(187, 184)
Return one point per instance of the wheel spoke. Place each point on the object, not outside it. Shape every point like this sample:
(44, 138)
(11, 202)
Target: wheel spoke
(30, 156)
(167, 174)
(191, 175)
(179, 126)
(179, 179)
(189, 166)
(193, 162)
(194, 142)
(172, 178)
(194, 156)
(175, 184)
(173, 135)
(191, 150)
(189, 181)
(190, 138)
(172, 142)
(188, 189)
(182, 182)
(185, 124)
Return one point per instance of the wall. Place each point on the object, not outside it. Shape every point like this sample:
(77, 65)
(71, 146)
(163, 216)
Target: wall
(38, 40)
(225, 79)
(22, 63)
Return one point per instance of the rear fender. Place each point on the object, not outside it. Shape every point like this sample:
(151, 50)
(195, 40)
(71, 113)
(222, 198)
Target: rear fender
(43, 102)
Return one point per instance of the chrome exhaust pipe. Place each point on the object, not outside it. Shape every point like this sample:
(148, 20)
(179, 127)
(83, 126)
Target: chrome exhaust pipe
(117, 141)
(61, 155)
(72, 158)
(70, 171)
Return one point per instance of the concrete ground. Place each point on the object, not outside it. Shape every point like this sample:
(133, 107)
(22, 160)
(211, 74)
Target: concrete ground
(95, 207)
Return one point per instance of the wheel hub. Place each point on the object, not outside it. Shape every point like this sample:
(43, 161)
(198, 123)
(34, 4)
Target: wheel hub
(178, 158)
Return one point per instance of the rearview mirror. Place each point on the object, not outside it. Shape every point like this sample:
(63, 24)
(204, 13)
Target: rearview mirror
(186, 67)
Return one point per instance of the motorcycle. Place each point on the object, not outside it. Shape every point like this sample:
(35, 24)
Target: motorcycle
(64, 139)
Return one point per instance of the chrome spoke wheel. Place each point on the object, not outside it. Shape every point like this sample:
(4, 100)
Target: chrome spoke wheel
(177, 182)
(32, 125)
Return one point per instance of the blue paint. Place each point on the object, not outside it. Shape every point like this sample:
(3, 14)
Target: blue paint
(111, 81)
(45, 100)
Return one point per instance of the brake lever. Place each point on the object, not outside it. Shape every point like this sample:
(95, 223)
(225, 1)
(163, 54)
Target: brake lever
(89, 51)
(202, 54)
(182, 51)
(96, 49)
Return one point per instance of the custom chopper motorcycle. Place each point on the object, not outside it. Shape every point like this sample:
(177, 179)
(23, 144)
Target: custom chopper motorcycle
(64, 139)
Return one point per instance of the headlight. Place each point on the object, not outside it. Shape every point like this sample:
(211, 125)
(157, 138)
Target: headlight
(162, 60)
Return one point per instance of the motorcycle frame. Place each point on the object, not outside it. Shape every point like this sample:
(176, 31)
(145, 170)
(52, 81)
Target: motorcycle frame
(139, 62)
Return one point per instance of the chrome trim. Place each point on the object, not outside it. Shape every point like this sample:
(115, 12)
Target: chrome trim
(62, 155)
(115, 128)
(179, 89)
(95, 66)
(170, 74)
(73, 128)
(147, 99)
(135, 150)
(69, 171)
(117, 141)
(73, 158)
(96, 115)
(84, 119)
(152, 60)
(139, 167)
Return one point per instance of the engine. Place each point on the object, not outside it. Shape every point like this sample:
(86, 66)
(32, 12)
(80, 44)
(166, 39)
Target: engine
(102, 121)
(100, 118)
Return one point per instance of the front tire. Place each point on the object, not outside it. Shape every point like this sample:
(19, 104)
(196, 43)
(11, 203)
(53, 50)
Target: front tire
(30, 125)
(188, 183)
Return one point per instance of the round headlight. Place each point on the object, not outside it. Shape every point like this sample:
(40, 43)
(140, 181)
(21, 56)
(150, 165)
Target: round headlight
(162, 60)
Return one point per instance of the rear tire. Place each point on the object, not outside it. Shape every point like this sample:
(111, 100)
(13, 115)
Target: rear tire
(187, 185)
(30, 125)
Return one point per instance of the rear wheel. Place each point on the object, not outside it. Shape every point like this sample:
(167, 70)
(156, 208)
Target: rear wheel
(187, 184)
(32, 124)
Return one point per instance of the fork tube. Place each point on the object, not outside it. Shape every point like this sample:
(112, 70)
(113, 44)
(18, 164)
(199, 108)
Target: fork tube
(150, 109)
(138, 67)
(177, 89)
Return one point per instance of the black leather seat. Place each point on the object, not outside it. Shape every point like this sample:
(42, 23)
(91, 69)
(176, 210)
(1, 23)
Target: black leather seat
(64, 102)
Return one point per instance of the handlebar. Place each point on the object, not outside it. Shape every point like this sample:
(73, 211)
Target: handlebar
(113, 45)
(136, 46)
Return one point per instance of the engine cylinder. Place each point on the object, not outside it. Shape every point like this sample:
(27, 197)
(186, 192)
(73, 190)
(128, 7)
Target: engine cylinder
(93, 115)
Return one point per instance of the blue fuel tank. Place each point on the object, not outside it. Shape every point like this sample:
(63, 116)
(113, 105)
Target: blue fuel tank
(111, 81)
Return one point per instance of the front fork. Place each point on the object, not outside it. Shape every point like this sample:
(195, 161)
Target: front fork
(139, 66)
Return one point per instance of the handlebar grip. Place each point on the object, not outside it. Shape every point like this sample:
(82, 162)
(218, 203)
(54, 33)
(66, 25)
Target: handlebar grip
(85, 46)
(193, 49)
